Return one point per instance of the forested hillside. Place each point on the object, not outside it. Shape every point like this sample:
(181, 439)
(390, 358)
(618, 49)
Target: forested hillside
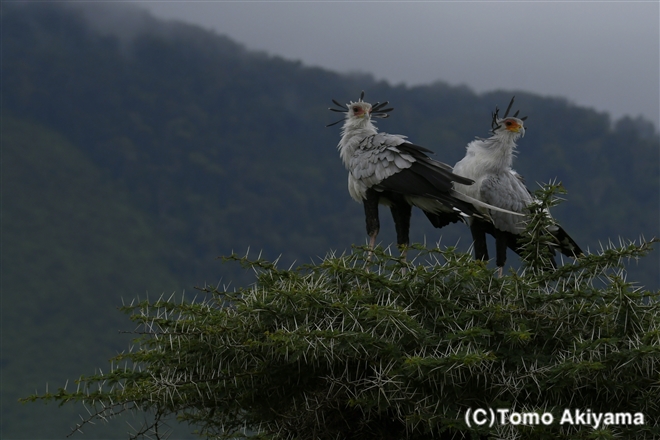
(130, 162)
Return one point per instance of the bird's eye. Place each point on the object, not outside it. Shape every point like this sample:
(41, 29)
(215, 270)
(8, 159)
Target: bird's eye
(356, 109)
(508, 123)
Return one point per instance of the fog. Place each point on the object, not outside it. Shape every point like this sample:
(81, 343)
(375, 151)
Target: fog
(604, 55)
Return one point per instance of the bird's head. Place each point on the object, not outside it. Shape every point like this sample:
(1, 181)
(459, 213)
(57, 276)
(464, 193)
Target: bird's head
(358, 110)
(360, 113)
(508, 125)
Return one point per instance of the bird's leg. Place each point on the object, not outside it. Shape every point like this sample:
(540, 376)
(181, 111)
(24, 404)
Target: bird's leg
(500, 251)
(479, 239)
(371, 217)
(401, 212)
(372, 243)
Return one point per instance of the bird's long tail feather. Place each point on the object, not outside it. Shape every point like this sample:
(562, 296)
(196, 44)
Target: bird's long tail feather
(481, 204)
(565, 244)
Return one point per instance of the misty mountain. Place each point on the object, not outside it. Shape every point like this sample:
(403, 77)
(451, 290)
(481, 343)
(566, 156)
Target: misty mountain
(135, 152)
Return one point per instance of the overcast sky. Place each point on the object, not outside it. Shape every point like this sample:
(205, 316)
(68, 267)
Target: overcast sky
(604, 55)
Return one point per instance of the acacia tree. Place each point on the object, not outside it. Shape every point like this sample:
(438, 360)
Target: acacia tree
(357, 348)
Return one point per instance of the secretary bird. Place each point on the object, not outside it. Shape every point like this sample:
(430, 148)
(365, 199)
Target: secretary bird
(488, 162)
(389, 170)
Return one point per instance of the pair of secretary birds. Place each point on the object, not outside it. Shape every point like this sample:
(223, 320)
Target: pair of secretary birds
(481, 189)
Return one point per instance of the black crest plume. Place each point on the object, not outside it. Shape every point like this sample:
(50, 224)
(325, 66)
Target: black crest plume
(494, 125)
(377, 109)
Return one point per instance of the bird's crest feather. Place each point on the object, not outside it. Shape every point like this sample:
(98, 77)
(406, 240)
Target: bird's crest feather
(377, 110)
(496, 119)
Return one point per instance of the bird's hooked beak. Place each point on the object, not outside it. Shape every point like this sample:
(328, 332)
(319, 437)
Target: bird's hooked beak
(508, 122)
(520, 130)
(514, 126)
(362, 111)
(517, 129)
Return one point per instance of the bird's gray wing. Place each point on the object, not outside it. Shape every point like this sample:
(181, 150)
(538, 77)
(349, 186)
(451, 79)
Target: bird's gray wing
(520, 178)
(439, 169)
(377, 158)
(389, 162)
(507, 191)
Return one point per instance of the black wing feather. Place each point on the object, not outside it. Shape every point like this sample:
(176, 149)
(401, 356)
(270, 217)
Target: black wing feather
(420, 180)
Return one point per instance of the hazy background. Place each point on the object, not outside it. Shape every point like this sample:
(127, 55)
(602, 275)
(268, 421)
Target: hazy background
(135, 151)
(603, 55)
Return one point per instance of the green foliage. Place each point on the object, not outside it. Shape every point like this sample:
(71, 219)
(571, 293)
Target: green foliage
(537, 253)
(358, 347)
(130, 160)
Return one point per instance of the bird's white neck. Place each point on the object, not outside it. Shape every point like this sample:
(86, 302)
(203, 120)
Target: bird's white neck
(494, 154)
(353, 131)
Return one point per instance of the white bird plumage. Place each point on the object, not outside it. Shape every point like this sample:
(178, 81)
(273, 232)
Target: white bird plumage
(388, 169)
(489, 163)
